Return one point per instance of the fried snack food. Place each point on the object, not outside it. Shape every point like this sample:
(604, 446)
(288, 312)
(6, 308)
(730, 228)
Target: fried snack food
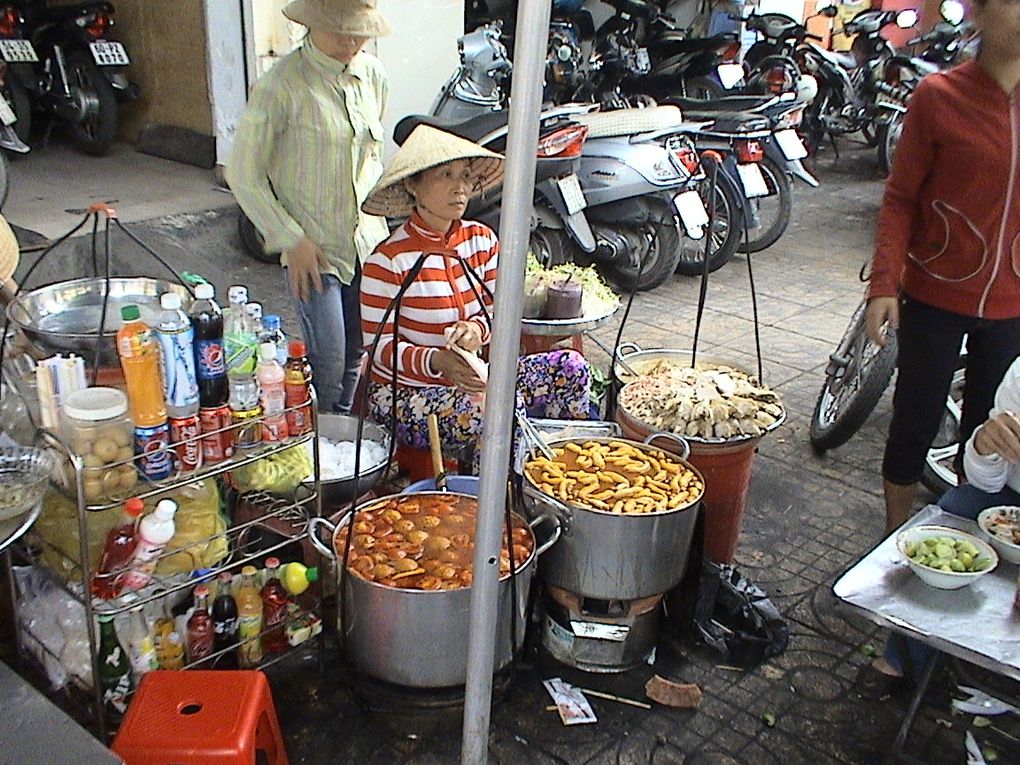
(423, 542)
(615, 477)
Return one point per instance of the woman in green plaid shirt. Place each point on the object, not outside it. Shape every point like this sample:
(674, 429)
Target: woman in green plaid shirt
(307, 151)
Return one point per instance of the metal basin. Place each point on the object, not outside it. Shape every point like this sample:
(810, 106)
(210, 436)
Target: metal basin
(341, 427)
(64, 317)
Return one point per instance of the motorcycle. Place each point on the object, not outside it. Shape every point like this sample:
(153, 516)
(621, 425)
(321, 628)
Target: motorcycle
(846, 81)
(15, 50)
(79, 73)
(637, 173)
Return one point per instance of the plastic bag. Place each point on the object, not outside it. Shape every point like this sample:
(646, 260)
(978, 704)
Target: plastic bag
(279, 473)
(735, 618)
(58, 526)
(199, 529)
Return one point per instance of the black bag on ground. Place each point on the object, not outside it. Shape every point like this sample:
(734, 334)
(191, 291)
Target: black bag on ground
(735, 618)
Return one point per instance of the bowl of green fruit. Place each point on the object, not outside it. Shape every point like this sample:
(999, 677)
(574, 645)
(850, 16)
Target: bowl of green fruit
(946, 558)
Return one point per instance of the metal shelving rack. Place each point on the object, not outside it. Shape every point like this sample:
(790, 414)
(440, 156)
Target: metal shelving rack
(288, 516)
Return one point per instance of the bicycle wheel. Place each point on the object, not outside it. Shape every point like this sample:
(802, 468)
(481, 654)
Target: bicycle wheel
(939, 474)
(855, 379)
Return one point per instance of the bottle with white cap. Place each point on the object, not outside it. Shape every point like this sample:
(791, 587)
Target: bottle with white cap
(238, 343)
(154, 531)
(176, 339)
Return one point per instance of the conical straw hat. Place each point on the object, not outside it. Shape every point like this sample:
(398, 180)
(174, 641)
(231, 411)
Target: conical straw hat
(358, 18)
(10, 256)
(426, 148)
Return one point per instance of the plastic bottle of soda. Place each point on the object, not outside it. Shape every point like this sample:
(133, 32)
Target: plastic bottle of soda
(201, 634)
(210, 367)
(298, 378)
(120, 544)
(114, 669)
(274, 609)
(249, 618)
(155, 530)
(224, 614)
(239, 341)
(139, 358)
(273, 396)
(140, 646)
(176, 339)
(255, 324)
(272, 327)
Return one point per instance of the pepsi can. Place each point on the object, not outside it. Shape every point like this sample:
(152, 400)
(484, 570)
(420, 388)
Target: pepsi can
(152, 447)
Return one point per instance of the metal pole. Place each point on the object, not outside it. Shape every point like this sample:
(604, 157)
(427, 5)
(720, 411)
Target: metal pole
(518, 189)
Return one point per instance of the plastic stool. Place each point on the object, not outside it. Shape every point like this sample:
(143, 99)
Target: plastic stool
(201, 718)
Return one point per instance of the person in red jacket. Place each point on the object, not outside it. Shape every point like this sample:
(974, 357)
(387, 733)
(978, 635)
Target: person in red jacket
(947, 255)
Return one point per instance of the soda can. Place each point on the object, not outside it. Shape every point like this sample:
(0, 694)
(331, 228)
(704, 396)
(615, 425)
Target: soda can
(189, 452)
(219, 446)
(248, 429)
(152, 447)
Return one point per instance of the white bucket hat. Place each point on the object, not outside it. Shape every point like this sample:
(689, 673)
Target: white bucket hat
(358, 18)
(425, 148)
(10, 255)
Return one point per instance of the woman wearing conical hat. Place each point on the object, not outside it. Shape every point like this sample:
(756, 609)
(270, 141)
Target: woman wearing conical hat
(307, 151)
(444, 313)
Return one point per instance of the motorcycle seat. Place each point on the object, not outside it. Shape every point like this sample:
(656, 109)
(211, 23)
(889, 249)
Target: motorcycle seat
(845, 60)
(679, 42)
(472, 128)
(61, 12)
(730, 122)
(724, 104)
(621, 122)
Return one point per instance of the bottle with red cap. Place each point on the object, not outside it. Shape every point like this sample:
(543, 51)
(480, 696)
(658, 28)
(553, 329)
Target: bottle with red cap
(274, 609)
(120, 544)
(297, 386)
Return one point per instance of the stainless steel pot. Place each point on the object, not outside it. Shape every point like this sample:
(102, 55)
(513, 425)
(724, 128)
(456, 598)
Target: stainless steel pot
(343, 427)
(613, 556)
(419, 638)
(632, 358)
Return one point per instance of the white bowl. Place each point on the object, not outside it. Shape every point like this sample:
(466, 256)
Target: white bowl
(1006, 550)
(944, 580)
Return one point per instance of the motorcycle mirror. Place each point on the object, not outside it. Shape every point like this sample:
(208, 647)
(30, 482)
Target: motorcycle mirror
(952, 11)
(906, 18)
(826, 8)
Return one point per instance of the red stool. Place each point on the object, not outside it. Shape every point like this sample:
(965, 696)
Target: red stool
(201, 718)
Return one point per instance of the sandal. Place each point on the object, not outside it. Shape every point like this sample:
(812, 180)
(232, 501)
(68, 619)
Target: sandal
(877, 686)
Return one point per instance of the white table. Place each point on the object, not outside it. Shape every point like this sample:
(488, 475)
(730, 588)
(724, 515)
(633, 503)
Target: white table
(978, 623)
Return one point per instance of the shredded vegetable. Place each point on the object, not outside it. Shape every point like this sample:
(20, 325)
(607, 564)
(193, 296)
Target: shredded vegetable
(597, 300)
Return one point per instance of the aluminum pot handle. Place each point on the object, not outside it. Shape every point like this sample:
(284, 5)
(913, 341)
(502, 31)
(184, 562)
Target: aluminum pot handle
(625, 349)
(313, 535)
(684, 445)
(557, 531)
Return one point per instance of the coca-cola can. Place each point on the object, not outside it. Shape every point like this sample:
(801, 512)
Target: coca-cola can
(184, 435)
(218, 446)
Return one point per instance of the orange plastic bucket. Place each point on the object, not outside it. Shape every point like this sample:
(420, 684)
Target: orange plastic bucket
(727, 472)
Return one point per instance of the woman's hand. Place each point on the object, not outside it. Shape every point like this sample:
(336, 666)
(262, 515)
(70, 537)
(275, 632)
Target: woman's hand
(305, 261)
(466, 335)
(1000, 435)
(454, 368)
(880, 311)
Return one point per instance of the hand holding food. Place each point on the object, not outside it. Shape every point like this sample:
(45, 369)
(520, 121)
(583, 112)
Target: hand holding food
(457, 370)
(1000, 435)
(466, 335)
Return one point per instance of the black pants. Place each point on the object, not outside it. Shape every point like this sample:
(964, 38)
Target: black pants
(929, 341)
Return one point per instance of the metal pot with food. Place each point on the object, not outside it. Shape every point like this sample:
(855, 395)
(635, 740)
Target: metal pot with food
(627, 512)
(408, 585)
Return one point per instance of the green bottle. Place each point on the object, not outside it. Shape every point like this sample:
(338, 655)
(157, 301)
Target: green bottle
(114, 670)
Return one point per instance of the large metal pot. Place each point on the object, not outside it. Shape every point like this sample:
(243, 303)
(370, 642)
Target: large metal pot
(631, 357)
(343, 427)
(419, 638)
(613, 556)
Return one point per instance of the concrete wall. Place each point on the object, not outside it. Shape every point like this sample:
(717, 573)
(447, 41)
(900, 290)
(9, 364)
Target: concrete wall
(167, 44)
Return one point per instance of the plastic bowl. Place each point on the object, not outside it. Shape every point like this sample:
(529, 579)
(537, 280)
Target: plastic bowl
(460, 484)
(944, 580)
(24, 473)
(1006, 550)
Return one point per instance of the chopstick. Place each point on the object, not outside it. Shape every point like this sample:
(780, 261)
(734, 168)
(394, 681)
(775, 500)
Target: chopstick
(532, 434)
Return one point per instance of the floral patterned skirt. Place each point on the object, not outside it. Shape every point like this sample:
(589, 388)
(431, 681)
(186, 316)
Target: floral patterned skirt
(555, 384)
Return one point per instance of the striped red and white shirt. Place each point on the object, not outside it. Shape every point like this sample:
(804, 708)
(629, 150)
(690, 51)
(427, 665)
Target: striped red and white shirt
(440, 295)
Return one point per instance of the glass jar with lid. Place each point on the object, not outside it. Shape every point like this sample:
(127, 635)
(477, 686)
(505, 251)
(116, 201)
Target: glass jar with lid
(96, 425)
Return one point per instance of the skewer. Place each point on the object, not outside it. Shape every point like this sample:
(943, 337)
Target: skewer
(611, 697)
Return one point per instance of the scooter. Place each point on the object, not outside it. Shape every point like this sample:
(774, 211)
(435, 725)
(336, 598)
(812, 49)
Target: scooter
(79, 75)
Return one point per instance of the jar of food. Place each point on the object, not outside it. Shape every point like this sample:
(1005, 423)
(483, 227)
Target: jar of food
(97, 427)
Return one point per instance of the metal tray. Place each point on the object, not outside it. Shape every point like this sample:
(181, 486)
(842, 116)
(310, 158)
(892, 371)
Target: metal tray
(565, 327)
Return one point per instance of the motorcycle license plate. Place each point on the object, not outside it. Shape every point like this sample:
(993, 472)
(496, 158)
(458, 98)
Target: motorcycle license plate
(692, 212)
(644, 63)
(17, 51)
(7, 115)
(109, 54)
(730, 74)
(790, 144)
(752, 180)
(573, 197)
